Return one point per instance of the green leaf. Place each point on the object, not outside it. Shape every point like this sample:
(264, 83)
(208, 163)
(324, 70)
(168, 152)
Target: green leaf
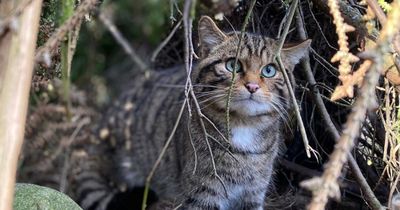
(34, 197)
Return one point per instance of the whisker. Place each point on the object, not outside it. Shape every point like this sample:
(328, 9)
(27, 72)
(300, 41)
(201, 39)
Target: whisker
(282, 99)
(281, 107)
(283, 103)
(213, 102)
(205, 97)
(282, 113)
(212, 91)
(279, 112)
(211, 98)
(183, 85)
(273, 95)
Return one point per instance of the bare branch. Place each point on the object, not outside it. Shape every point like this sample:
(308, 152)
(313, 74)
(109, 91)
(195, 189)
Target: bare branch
(228, 99)
(106, 20)
(165, 42)
(292, 11)
(44, 53)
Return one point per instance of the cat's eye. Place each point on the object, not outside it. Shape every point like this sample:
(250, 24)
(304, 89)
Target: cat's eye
(230, 65)
(268, 71)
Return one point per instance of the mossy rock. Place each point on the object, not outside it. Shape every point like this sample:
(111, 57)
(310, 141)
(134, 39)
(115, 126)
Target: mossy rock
(34, 197)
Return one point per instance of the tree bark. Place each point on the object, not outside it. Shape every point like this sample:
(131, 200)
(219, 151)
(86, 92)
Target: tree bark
(17, 49)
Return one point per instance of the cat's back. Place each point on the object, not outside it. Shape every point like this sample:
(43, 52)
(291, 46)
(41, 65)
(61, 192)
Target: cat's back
(139, 123)
(130, 137)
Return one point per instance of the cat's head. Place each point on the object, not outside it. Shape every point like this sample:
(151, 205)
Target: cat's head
(259, 86)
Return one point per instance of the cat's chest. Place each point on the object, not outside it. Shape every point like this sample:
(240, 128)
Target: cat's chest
(245, 138)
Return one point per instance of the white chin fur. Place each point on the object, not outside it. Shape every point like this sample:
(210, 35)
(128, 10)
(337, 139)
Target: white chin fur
(249, 107)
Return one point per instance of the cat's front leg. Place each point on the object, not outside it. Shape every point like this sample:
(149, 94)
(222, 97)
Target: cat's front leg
(199, 204)
(254, 199)
(205, 197)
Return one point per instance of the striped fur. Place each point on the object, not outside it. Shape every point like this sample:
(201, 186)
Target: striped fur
(198, 171)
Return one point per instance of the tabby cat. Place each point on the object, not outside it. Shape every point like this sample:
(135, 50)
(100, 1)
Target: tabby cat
(201, 169)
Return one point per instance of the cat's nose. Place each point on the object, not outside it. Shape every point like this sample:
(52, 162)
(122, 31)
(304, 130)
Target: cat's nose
(252, 87)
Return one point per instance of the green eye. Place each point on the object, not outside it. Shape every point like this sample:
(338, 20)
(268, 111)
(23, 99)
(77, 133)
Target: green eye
(268, 71)
(230, 63)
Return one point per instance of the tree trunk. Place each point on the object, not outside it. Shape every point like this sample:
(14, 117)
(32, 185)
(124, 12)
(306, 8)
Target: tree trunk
(17, 49)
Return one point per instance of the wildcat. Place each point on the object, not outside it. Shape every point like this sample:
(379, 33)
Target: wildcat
(203, 167)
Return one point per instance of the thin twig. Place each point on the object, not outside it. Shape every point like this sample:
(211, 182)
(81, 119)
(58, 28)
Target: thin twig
(165, 42)
(281, 25)
(203, 127)
(158, 161)
(292, 10)
(242, 32)
(193, 147)
(123, 42)
(319, 27)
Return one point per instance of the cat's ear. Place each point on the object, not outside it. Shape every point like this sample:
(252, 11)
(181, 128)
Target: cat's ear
(209, 34)
(294, 52)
